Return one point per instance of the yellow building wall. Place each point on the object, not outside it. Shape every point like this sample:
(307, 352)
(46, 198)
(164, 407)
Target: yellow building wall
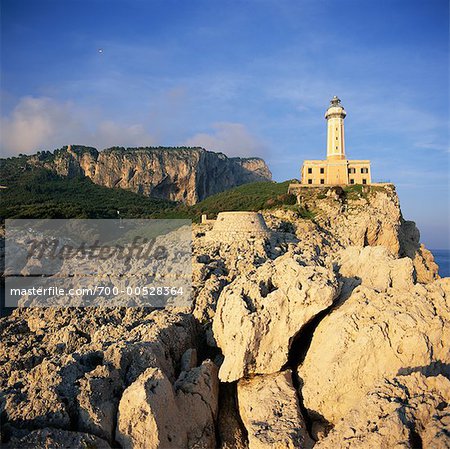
(337, 172)
(319, 172)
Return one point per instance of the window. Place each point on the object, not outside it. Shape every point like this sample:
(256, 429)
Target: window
(364, 181)
(309, 181)
(322, 170)
(310, 170)
(352, 181)
(364, 170)
(322, 181)
(352, 170)
(336, 148)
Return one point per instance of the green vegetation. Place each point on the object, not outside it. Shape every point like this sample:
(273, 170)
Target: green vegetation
(248, 197)
(38, 193)
(35, 192)
(356, 191)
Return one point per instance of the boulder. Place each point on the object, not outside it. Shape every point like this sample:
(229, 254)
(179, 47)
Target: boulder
(370, 336)
(259, 315)
(147, 416)
(270, 410)
(197, 398)
(375, 267)
(153, 413)
(404, 412)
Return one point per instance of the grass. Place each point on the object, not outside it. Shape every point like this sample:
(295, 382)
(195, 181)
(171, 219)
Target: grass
(248, 197)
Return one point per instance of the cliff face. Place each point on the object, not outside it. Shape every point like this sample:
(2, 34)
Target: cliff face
(369, 216)
(178, 174)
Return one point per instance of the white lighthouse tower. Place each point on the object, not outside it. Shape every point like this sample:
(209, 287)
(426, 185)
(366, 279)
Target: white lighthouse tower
(335, 116)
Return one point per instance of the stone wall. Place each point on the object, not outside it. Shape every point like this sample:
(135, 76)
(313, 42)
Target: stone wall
(239, 225)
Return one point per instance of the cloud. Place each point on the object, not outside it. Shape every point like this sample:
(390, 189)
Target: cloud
(109, 133)
(43, 123)
(233, 139)
(433, 146)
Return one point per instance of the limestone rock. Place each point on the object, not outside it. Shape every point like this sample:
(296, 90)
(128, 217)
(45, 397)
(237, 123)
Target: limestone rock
(153, 413)
(45, 384)
(147, 417)
(403, 412)
(410, 246)
(197, 394)
(178, 174)
(269, 408)
(35, 400)
(259, 315)
(376, 268)
(98, 400)
(188, 360)
(48, 438)
(369, 217)
(374, 335)
(217, 264)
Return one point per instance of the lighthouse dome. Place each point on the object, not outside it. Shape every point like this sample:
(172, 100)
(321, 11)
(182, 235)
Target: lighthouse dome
(335, 108)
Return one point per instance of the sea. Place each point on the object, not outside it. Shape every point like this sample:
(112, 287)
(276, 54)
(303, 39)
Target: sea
(442, 258)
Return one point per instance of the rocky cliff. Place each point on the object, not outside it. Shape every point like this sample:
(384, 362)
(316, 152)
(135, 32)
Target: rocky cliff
(330, 333)
(179, 174)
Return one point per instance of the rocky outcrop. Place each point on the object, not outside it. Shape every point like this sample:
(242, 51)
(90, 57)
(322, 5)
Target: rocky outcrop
(375, 267)
(374, 335)
(330, 332)
(270, 411)
(46, 382)
(197, 395)
(154, 414)
(258, 316)
(368, 216)
(407, 411)
(178, 174)
(410, 246)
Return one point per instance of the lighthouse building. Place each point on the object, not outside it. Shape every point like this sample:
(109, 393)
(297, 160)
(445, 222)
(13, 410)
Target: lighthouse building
(336, 169)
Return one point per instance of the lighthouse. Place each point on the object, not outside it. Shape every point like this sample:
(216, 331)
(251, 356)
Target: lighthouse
(335, 116)
(336, 169)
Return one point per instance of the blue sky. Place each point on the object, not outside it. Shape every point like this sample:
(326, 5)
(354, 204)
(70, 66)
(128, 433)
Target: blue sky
(243, 77)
